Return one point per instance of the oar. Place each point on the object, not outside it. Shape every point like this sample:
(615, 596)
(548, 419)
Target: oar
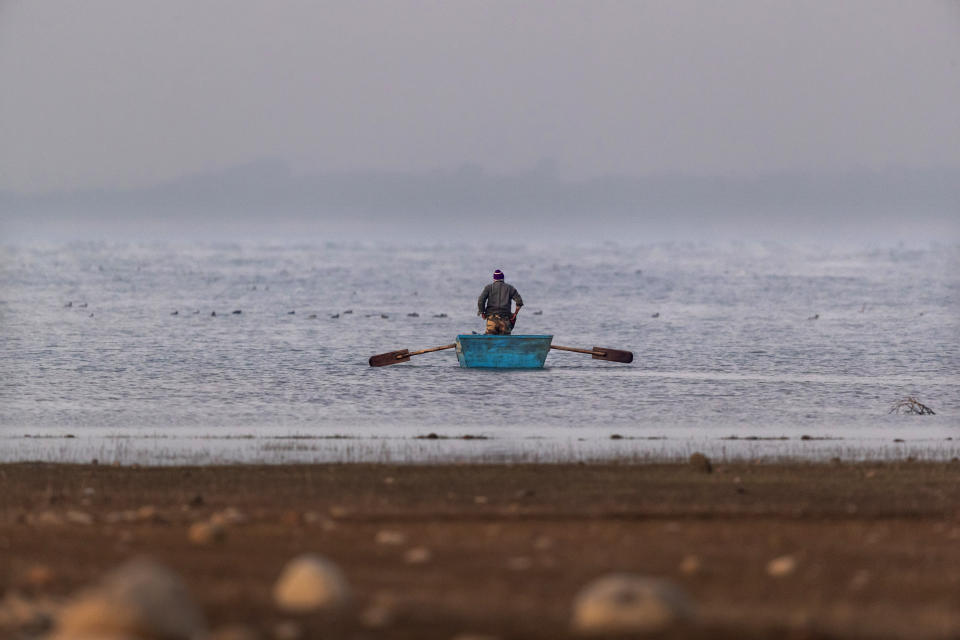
(601, 353)
(393, 357)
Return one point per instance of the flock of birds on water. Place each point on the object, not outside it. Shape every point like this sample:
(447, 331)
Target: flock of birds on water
(312, 316)
(414, 314)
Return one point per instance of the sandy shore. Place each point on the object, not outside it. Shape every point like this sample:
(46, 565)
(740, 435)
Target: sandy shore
(502, 550)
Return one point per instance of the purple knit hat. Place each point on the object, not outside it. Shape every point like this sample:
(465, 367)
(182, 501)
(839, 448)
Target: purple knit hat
(498, 275)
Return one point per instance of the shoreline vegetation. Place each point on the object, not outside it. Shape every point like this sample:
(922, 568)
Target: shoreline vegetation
(726, 549)
(181, 448)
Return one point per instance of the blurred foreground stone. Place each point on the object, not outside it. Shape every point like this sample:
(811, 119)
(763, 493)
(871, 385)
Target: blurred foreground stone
(624, 603)
(139, 600)
(308, 583)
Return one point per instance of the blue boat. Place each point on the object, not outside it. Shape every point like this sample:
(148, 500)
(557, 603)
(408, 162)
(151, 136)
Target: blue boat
(503, 352)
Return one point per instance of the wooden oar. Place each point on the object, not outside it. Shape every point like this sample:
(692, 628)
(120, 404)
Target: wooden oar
(601, 353)
(393, 357)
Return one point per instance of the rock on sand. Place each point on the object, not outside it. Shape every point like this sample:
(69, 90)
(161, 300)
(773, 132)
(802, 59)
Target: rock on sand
(203, 533)
(417, 555)
(782, 566)
(625, 603)
(690, 565)
(308, 583)
(701, 463)
(140, 599)
(390, 537)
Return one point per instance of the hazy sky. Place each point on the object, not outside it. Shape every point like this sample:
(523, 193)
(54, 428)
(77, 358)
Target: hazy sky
(117, 93)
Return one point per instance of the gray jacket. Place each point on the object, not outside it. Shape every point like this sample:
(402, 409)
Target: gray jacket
(496, 297)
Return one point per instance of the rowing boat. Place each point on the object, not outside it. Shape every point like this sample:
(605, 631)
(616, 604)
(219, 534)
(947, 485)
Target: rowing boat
(482, 351)
(487, 351)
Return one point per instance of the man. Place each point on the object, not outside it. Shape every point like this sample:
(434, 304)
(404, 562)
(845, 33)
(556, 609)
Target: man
(494, 305)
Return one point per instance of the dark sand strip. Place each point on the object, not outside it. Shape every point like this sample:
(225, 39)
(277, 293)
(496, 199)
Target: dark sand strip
(876, 546)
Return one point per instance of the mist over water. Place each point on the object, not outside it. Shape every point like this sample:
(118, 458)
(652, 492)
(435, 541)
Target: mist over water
(116, 345)
(267, 199)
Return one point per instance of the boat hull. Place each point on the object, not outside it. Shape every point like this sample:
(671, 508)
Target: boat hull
(481, 351)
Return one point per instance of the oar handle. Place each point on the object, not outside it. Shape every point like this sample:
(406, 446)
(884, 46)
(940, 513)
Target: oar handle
(574, 349)
(446, 346)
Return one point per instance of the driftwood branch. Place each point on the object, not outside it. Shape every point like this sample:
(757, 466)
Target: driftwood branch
(913, 406)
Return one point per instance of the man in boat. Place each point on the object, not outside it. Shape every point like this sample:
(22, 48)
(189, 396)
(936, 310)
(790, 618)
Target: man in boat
(494, 305)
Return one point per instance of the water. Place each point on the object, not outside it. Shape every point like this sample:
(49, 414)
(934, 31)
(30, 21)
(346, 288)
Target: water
(734, 352)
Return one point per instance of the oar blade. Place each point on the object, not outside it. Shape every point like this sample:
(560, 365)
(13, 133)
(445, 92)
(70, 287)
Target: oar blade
(392, 357)
(613, 355)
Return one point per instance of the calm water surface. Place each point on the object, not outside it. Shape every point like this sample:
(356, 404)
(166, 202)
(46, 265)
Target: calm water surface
(755, 346)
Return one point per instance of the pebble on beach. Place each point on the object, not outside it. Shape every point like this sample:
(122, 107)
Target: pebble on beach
(149, 513)
(542, 543)
(625, 603)
(378, 615)
(519, 563)
(140, 599)
(229, 516)
(79, 517)
(782, 566)
(204, 533)
(690, 565)
(38, 576)
(860, 580)
(417, 555)
(390, 537)
(47, 518)
(310, 582)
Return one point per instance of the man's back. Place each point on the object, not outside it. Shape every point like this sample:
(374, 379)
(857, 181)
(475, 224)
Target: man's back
(496, 297)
